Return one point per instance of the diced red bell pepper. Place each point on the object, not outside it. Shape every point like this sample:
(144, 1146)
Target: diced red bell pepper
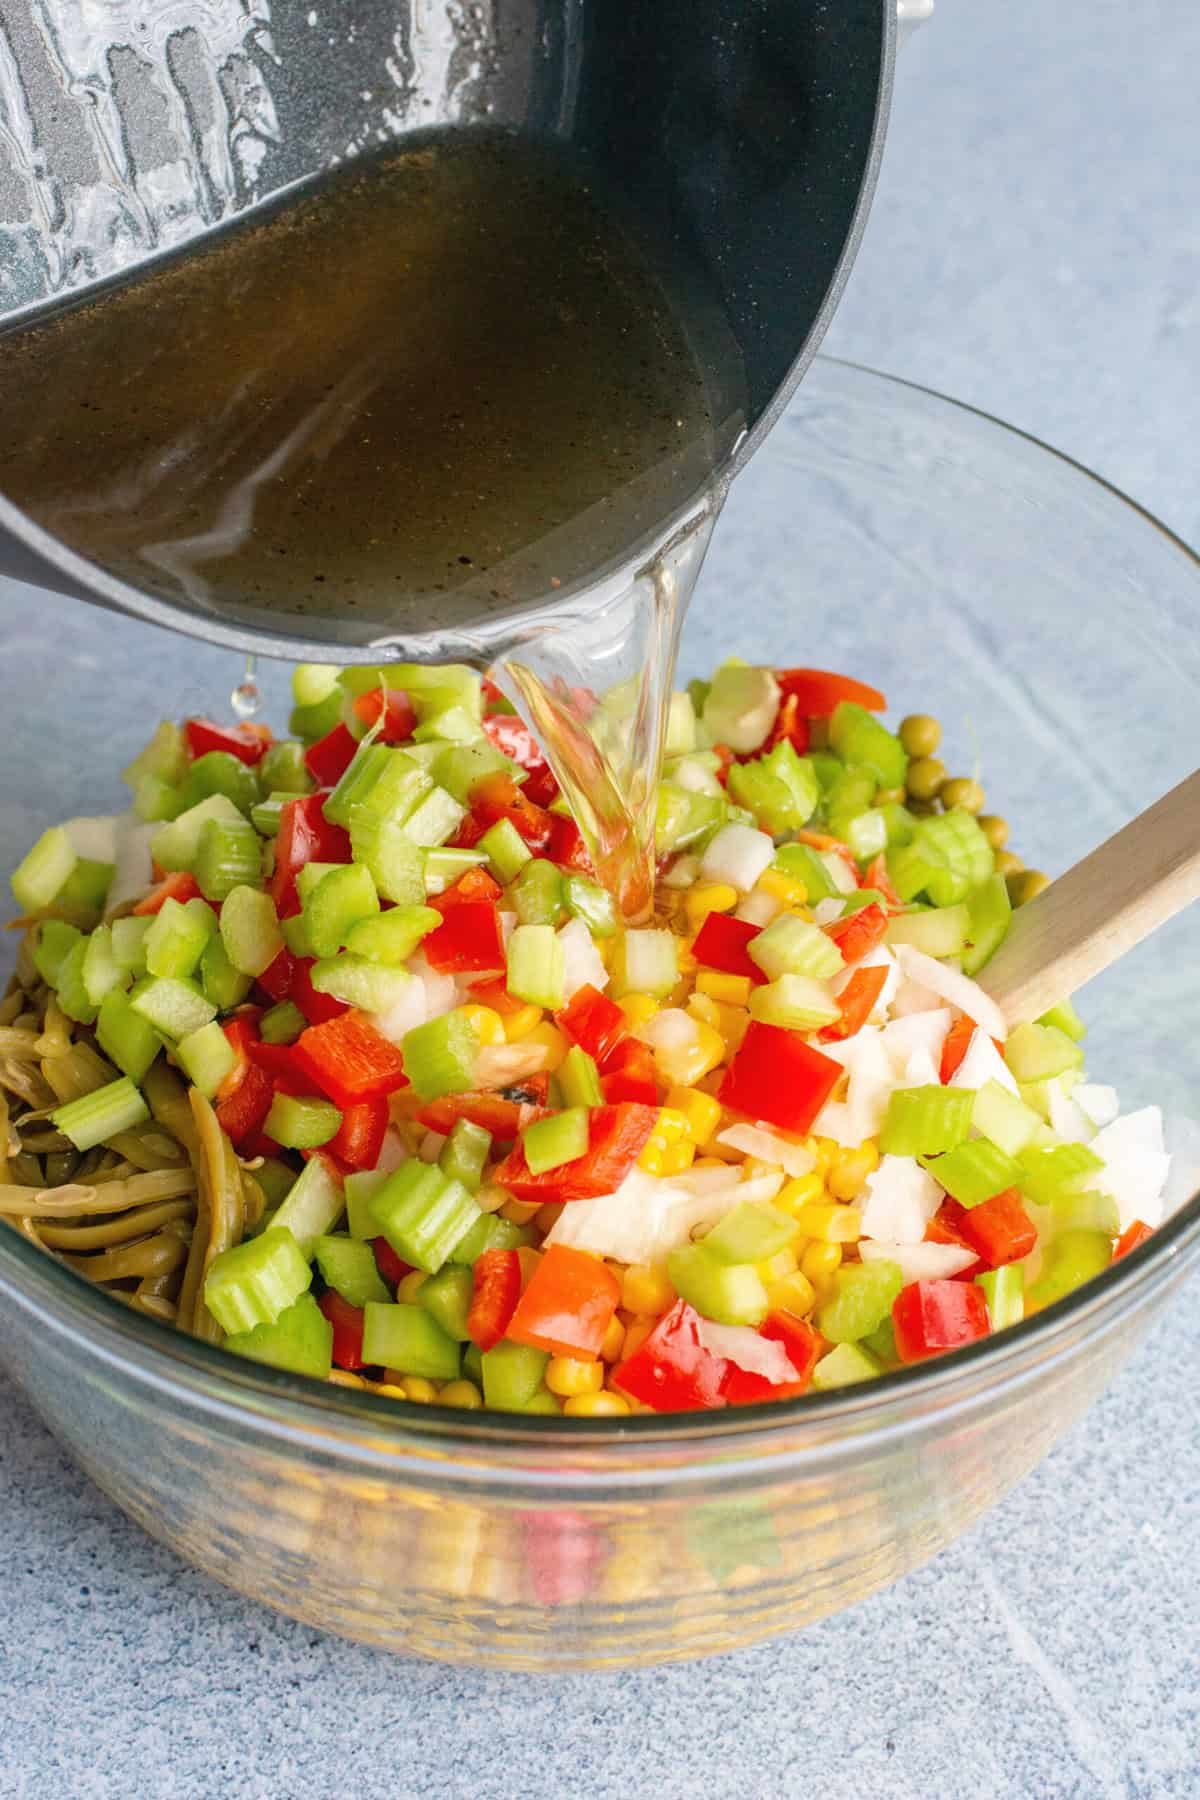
(281, 1065)
(826, 845)
(1132, 1238)
(567, 848)
(858, 933)
(857, 1001)
(468, 938)
(514, 739)
(999, 1231)
(776, 1076)
(498, 797)
(473, 886)
(317, 1008)
(931, 1317)
(671, 1370)
(505, 1114)
(943, 1228)
(249, 743)
(629, 1075)
(725, 761)
(392, 1267)
(594, 1022)
(568, 1306)
(563, 1554)
(469, 832)
(179, 886)
(276, 979)
(349, 1060)
(242, 1112)
(495, 995)
(878, 879)
(818, 693)
(359, 1138)
(241, 1032)
(395, 709)
(804, 1345)
(616, 1138)
(955, 1045)
(328, 759)
(305, 835)
(790, 724)
(497, 1288)
(347, 1322)
(721, 944)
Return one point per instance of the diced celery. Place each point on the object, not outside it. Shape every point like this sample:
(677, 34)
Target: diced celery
(442, 868)
(961, 854)
(542, 1402)
(230, 856)
(588, 901)
(861, 1301)
(464, 1154)
(794, 1001)
(265, 817)
(859, 738)
(129, 943)
(850, 796)
(1040, 1052)
(383, 783)
(862, 897)
(224, 985)
(438, 817)
(685, 819)
(125, 1037)
(537, 893)
(282, 1024)
(177, 937)
(794, 946)
(845, 1365)
(250, 930)
(53, 940)
(910, 869)
(101, 971)
(367, 985)
(391, 937)
(82, 896)
(1003, 1119)
(339, 900)
(276, 1180)
(989, 913)
(579, 1079)
(882, 1342)
(1062, 1169)
(206, 1058)
(680, 735)
(537, 966)
(449, 684)
(440, 1056)
(96, 1116)
(740, 706)
(751, 1232)
(460, 767)
(360, 1189)
(255, 1281)
(698, 692)
(42, 874)
(174, 1008)
(316, 721)
(397, 865)
(446, 1297)
(300, 1123)
(156, 801)
(490, 1232)
(1004, 1291)
(177, 845)
(423, 1214)
(300, 1341)
(282, 769)
(409, 1339)
(505, 849)
(1064, 1018)
(646, 962)
(1088, 1211)
(314, 1203)
(923, 1120)
(348, 1267)
(803, 864)
(220, 772)
(294, 932)
(562, 1138)
(974, 1172)
(512, 1375)
(165, 756)
(940, 932)
(867, 834)
(730, 1293)
(1070, 1259)
(314, 682)
(898, 824)
(72, 994)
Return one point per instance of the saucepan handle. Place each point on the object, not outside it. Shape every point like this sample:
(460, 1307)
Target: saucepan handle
(911, 14)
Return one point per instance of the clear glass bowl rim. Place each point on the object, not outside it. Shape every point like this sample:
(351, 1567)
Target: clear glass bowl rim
(269, 1401)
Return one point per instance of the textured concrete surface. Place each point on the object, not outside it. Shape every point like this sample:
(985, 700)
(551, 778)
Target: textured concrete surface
(1035, 250)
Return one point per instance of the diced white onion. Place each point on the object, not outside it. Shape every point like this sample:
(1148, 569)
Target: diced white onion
(903, 1037)
(1067, 1117)
(740, 1345)
(96, 838)
(134, 870)
(912, 998)
(1136, 1165)
(582, 962)
(954, 986)
(441, 991)
(648, 1217)
(839, 872)
(738, 855)
(983, 1063)
(669, 1029)
(768, 1147)
(682, 872)
(901, 1199)
(759, 909)
(860, 1115)
(918, 1262)
(409, 1011)
(827, 910)
(392, 1152)
(1101, 1104)
(431, 1146)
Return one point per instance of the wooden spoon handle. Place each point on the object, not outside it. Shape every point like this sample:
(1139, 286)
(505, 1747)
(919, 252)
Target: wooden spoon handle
(1084, 921)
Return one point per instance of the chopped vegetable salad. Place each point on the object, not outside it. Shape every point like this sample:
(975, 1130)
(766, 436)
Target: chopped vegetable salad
(443, 1126)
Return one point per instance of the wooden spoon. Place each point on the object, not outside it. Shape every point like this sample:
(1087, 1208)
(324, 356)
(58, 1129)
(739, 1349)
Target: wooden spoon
(1075, 928)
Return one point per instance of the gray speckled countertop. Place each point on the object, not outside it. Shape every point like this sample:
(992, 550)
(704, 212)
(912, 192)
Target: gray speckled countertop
(1034, 249)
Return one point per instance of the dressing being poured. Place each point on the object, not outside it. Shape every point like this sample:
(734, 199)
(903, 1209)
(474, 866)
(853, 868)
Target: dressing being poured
(452, 393)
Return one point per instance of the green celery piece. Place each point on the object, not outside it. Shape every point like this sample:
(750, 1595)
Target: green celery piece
(698, 692)
(858, 738)
(794, 1001)
(861, 1301)
(314, 1203)
(867, 834)
(423, 1214)
(155, 801)
(299, 1341)
(1087, 1211)
(314, 682)
(360, 1189)
(512, 1375)
(176, 845)
(397, 865)
(729, 1293)
(101, 971)
(44, 871)
(974, 1172)
(85, 890)
(899, 824)
(449, 684)
(1004, 1291)
(740, 706)
(300, 1123)
(348, 1267)
(229, 857)
(438, 817)
(680, 735)
(282, 1024)
(97, 1116)
(446, 1297)
(174, 1008)
(222, 984)
(685, 819)
(925, 1120)
(442, 868)
(165, 757)
(910, 869)
(250, 930)
(505, 849)
(125, 1037)
(537, 893)
(276, 1181)
(579, 1079)
(845, 1365)
(53, 940)
(72, 995)
(440, 1057)
(461, 766)
(1003, 1119)
(266, 815)
(850, 796)
(536, 967)
(794, 946)
(942, 931)
(587, 900)
(367, 985)
(384, 783)
(751, 1232)
(220, 772)
(881, 1343)
(407, 1338)
(1062, 1169)
(337, 902)
(989, 913)
(1040, 1052)
(797, 775)
(282, 769)
(542, 1402)
(294, 932)
(316, 721)
(464, 1154)
(129, 943)
(646, 962)
(562, 1138)
(490, 1232)
(392, 937)
(472, 1364)
(954, 842)
(1070, 1259)
(1064, 1018)
(178, 936)
(206, 1057)
(803, 864)
(863, 897)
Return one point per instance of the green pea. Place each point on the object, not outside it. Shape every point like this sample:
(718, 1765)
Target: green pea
(920, 734)
(961, 795)
(994, 829)
(1026, 885)
(925, 778)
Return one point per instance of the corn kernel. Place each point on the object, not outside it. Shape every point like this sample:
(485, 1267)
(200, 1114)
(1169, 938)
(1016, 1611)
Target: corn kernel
(552, 1039)
(705, 1009)
(733, 990)
(410, 1285)
(733, 1022)
(489, 1026)
(529, 1260)
(830, 1224)
(803, 1190)
(685, 956)
(706, 897)
(547, 1217)
(392, 1390)
(461, 1393)
(678, 1157)
(519, 1024)
(774, 1268)
(820, 1262)
(636, 1335)
(646, 1292)
(788, 888)
(420, 1391)
(794, 1294)
(650, 1158)
(672, 1125)
(754, 1166)
(848, 1175)
(825, 1152)
(568, 1376)
(519, 1212)
(343, 1378)
(638, 1008)
(702, 1112)
(601, 1405)
(612, 1348)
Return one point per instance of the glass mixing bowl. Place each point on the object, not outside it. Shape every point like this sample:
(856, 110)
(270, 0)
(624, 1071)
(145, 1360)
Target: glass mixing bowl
(971, 573)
